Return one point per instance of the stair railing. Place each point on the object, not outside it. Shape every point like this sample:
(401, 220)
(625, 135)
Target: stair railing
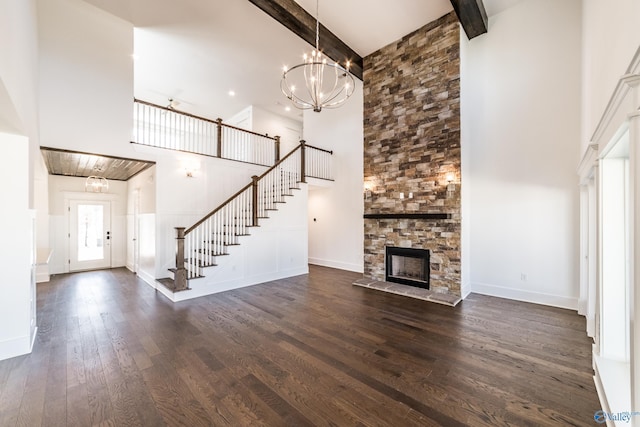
(199, 245)
(318, 163)
(165, 127)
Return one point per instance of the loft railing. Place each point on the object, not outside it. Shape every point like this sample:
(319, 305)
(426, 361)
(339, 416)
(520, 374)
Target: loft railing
(164, 127)
(199, 245)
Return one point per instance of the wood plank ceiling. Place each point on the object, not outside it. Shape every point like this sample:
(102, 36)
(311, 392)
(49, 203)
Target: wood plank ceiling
(79, 164)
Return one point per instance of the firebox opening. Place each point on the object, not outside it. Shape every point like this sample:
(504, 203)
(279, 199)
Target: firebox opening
(407, 266)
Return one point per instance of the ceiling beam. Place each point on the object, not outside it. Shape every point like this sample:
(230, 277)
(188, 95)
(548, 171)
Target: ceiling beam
(472, 16)
(300, 22)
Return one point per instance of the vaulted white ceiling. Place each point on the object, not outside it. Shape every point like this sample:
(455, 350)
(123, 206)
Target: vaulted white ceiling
(198, 51)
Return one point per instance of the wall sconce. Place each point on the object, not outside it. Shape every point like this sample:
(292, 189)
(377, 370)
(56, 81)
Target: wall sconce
(191, 168)
(367, 191)
(410, 196)
(451, 186)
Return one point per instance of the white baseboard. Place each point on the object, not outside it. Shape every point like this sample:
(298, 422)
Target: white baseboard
(560, 301)
(582, 306)
(466, 292)
(356, 268)
(16, 347)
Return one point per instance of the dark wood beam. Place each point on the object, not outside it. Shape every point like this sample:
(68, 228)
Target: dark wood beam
(472, 16)
(295, 18)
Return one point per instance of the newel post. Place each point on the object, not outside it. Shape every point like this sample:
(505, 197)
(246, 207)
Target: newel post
(254, 204)
(303, 172)
(219, 136)
(180, 275)
(277, 148)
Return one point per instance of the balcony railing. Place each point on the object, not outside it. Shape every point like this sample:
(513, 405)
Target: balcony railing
(164, 127)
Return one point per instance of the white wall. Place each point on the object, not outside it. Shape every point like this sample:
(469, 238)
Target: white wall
(41, 206)
(86, 78)
(521, 137)
(336, 235)
(18, 115)
(65, 188)
(143, 188)
(16, 252)
(611, 36)
(289, 130)
(263, 121)
(18, 68)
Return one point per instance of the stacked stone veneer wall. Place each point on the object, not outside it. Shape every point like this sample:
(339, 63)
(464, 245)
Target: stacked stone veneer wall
(412, 143)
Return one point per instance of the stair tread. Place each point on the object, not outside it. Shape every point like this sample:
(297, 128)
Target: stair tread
(170, 284)
(202, 251)
(173, 270)
(198, 263)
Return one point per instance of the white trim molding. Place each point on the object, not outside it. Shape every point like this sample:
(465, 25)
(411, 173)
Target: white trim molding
(560, 301)
(356, 268)
(589, 160)
(617, 381)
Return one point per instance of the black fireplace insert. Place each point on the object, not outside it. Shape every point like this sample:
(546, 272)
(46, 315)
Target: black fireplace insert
(407, 266)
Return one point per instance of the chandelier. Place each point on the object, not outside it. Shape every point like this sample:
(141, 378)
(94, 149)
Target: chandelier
(317, 83)
(96, 184)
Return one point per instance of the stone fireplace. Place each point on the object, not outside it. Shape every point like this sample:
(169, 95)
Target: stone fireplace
(412, 152)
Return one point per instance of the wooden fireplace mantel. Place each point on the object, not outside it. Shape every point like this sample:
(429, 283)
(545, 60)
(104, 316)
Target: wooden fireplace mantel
(416, 215)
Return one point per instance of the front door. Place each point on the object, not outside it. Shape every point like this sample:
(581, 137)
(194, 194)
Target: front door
(90, 245)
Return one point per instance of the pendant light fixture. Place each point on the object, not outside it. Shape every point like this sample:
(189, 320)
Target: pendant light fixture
(318, 82)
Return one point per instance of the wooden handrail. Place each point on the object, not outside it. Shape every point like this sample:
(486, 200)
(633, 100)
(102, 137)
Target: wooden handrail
(281, 160)
(215, 122)
(213, 212)
(264, 135)
(319, 149)
(245, 188)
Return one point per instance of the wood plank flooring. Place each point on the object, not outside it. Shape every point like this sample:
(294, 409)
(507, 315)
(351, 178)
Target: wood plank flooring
(309, 350)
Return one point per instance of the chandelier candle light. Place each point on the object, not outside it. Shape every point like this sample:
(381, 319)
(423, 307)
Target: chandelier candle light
(317, 83)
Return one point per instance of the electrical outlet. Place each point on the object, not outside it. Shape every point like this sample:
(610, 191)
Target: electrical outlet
(523, 277)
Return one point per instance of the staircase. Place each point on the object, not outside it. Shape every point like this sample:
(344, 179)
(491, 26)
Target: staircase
(209, 257)
(200, 247)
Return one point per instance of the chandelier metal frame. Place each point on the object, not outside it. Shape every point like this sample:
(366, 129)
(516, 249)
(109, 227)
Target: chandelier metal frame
(96, 184)
(316, 72)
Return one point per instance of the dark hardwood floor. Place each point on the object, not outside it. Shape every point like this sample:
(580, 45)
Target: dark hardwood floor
(310, 350)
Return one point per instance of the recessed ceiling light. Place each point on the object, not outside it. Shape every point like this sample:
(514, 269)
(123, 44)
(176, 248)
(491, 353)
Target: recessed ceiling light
(287, 108)
(232, 93)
